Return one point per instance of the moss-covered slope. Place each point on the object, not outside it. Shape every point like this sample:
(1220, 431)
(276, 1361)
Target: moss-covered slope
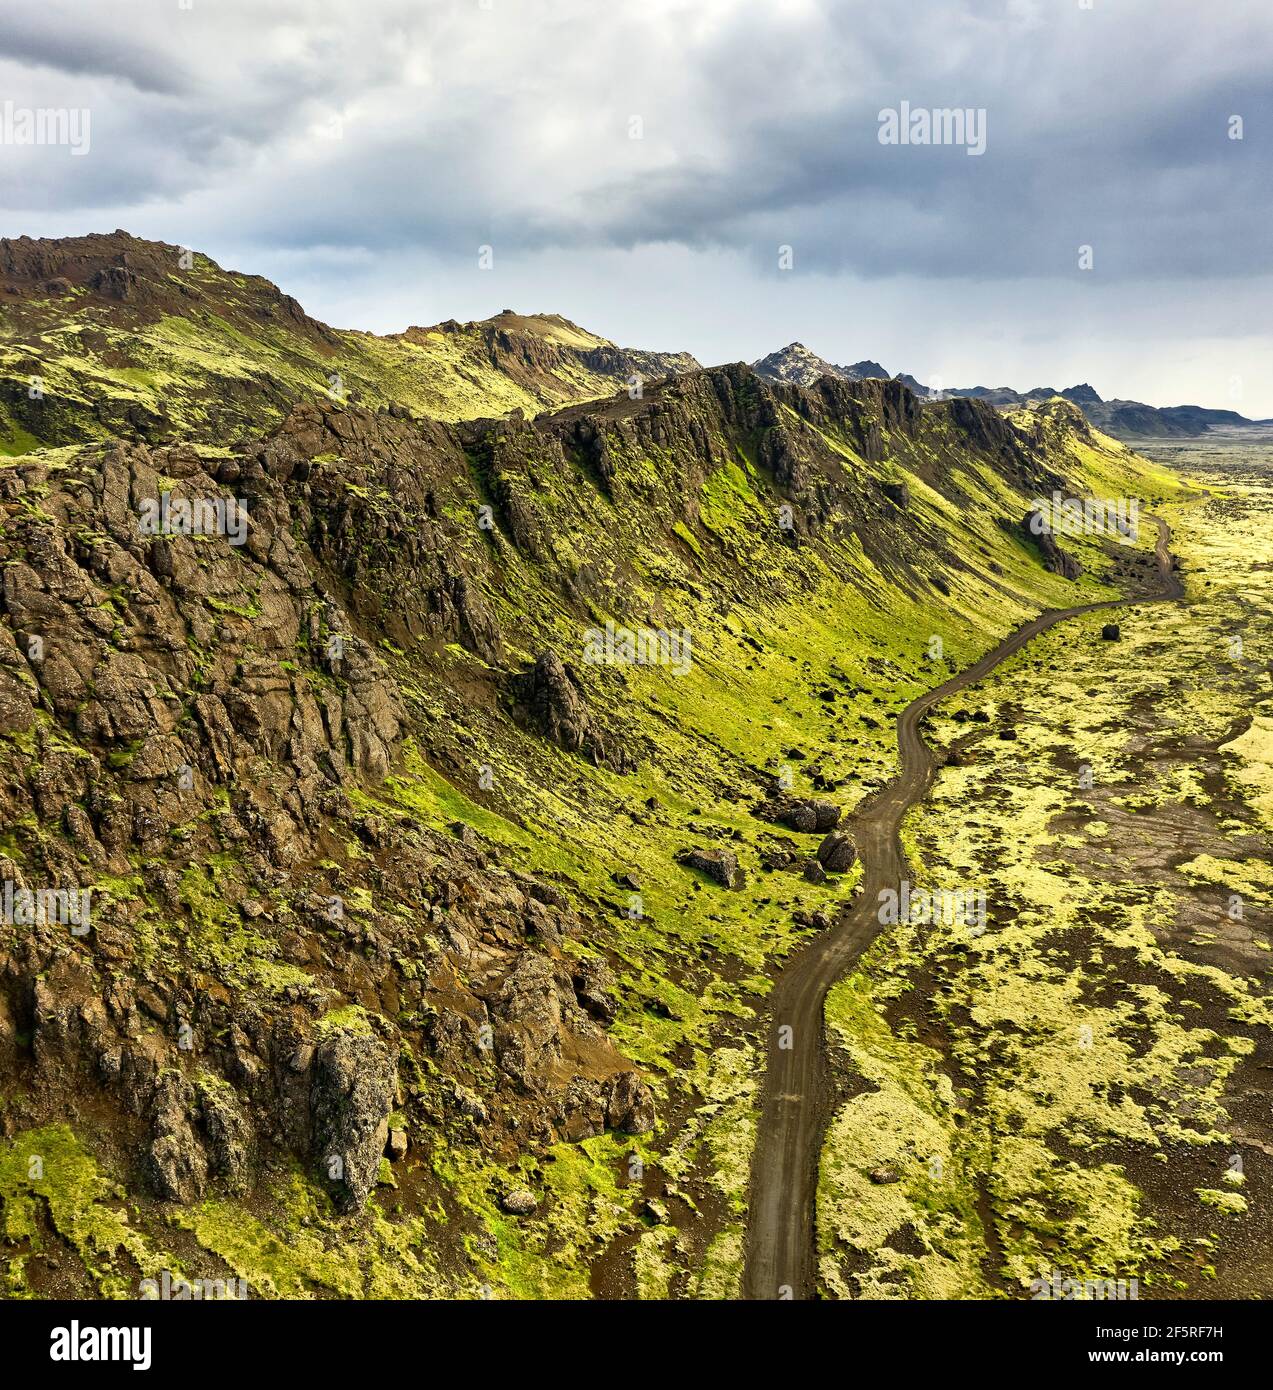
(112, 336)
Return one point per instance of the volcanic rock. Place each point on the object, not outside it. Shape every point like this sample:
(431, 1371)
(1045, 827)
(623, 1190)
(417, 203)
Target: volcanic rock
(837, 853)
(720, 865)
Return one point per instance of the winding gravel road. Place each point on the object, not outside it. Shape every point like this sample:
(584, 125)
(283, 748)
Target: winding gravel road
(781, 1260)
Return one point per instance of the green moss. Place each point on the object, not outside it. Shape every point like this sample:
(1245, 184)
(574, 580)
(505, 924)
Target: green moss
(1069, 1029)
(49, 1181)
(911, 1125)
(351, 1018)
(302, 1251)
(1232, 1203)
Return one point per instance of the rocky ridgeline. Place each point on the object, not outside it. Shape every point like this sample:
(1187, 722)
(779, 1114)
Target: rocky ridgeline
(141, 276)
(538, 353)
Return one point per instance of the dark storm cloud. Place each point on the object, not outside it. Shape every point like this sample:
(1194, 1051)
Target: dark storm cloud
(54, 37)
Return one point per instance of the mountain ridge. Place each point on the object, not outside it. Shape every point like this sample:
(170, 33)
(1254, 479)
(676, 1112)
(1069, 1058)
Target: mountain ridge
(1122, 418)
(138, 339)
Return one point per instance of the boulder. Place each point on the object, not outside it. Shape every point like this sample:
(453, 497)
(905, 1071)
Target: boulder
(556, 702)
(351, 1095)
(629, 1103)
(553, 697)
(176, 1163)
(897, 493)
(837, 852)
(528, 1023)
(521, 1201)
(1037, 529)
(720, 865)
(800, 816)
(797, 813)
(595, 984)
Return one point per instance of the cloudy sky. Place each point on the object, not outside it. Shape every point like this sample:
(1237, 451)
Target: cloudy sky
(637, 167)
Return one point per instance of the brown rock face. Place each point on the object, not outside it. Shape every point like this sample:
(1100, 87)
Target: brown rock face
(178, 1164)
(528, 1030)
(226, 691)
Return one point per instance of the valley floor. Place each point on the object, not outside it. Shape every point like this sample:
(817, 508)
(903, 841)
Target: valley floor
(1081, 1089)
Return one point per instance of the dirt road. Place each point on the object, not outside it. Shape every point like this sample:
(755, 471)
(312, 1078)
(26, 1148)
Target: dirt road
(795, 1103)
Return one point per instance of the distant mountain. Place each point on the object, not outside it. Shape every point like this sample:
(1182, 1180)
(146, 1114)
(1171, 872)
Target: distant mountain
(1133, 419)
(1123, 419)
(795, 364)
(800, 367)
(1005, 398)
(865, 371)
(1081, 395)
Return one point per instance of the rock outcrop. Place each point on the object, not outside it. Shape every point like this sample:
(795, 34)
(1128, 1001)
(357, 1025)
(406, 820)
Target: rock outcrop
(351, 1095)
(553, 697)
(1036, 530)
(720, 865)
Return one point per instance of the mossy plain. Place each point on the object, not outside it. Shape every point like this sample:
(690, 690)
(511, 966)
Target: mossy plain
(1084, 1073)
